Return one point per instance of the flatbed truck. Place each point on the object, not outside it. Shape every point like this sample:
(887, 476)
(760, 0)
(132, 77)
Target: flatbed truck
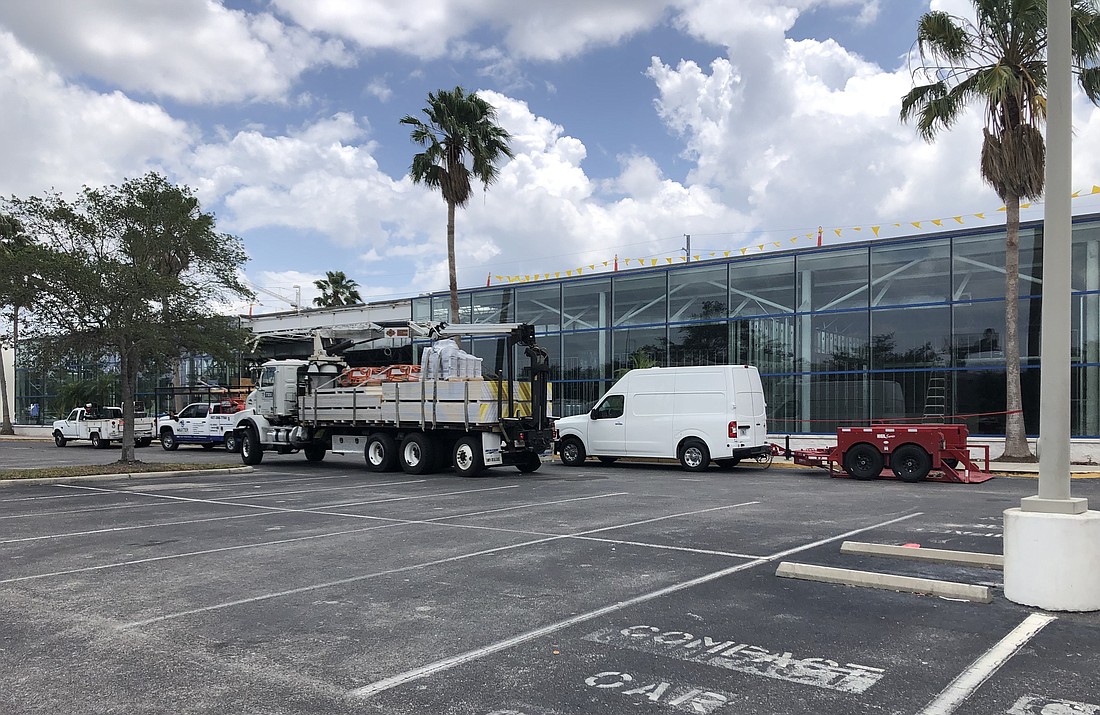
(420, 426)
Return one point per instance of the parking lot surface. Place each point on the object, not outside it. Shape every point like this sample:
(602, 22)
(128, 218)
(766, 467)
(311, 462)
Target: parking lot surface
(324, 588)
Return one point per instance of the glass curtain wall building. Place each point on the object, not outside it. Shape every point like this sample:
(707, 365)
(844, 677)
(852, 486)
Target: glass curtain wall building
(903, 328)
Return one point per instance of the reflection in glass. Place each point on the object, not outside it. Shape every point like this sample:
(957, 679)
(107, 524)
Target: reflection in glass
(902, 274)
(697, 293)
(833, 280)
(762, 286)
(641, 300)
(585, 304)
(539, 306)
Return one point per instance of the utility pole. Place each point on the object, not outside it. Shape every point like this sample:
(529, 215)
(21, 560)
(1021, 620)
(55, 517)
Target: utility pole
(687, 248)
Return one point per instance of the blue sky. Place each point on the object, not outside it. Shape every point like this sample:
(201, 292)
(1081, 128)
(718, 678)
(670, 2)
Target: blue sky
(747, 124)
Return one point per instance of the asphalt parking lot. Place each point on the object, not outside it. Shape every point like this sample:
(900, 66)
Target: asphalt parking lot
(325, 588)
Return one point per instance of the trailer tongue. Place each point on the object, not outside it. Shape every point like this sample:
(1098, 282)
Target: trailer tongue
(911, 453)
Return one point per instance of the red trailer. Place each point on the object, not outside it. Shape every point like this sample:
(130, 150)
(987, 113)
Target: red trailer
(911, 453)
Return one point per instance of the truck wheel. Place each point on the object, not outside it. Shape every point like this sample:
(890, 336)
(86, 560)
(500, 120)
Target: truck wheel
(232, 444)
(728, 462)
(863, 461)
(98, 443)
(694, 455)
(529, 463)
(314, 452)
(168, 441)
(417, 454)
(572, 452)
(468, 460)
(910, 463)
(59, 439)
(381, 453)
(251, 451)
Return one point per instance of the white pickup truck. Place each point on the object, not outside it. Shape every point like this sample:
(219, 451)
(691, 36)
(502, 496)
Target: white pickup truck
(100, 426)
(207, 423)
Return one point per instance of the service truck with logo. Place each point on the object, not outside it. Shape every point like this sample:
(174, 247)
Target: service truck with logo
(209, 424)
(446, 414)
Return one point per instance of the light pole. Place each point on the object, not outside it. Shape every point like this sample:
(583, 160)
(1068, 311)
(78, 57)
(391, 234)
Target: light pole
(1052, 541)
(297, 299)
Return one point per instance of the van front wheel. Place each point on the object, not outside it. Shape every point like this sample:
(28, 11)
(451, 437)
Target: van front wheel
(572, 452)
(694, 455)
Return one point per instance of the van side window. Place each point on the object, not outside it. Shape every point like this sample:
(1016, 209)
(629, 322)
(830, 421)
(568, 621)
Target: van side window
(612, 406)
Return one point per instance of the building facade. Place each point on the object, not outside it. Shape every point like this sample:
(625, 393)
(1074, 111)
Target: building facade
(902, 328)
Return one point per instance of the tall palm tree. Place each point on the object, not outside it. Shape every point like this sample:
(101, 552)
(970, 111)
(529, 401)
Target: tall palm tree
(336, 289)
(15, 292)
(459, 127)
(998, 61)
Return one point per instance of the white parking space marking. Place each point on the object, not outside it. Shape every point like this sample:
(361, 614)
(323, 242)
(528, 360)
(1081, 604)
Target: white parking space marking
(720, 652)
(1039, 705)
(471, 655)
(667, 547)
(677, 696)
(413, 567)
(986, 665)
(114, 529)
(394, 522)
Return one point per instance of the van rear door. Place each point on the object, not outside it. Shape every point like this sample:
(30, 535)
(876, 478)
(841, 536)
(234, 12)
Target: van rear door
(751, 408)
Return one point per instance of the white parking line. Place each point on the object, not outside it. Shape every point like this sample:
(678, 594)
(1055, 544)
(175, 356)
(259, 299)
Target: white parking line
(471, 655)
(390, 523)
(403, 569)
(985, 666)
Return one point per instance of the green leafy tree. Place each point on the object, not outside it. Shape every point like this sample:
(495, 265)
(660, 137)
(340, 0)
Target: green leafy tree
(461, 141)
(998, 63)
(15, 292)
(137, 272)
(336, 289)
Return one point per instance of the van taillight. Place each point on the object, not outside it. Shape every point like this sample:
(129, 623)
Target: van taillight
(733, 430)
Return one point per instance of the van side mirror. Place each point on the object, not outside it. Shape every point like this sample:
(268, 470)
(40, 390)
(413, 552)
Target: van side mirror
(594, 414)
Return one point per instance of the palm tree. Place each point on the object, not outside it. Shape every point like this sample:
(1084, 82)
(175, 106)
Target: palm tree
(15, 291)
(998, 62)
(459, 126)
(336, 289)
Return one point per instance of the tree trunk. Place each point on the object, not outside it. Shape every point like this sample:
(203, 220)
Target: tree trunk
(1016, 446)
(453, 275)
(5, 426)
(128, 368)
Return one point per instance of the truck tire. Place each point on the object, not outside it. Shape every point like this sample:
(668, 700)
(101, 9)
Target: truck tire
(694, 455)
(168, 441)
(59, 439)
(314, 452)
(381, 453)
(232, 444)
(529, 463)
(910, 463)
(863, 461)
(572, 452)
(251, 451)
(98, 443)
(417, 454)
(467, 457)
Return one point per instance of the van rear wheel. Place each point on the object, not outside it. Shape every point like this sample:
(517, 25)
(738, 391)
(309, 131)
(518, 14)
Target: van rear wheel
(694, 455)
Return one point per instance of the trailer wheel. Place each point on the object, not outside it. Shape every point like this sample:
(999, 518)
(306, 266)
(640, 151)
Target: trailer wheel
(232, 444)
(694, 455)
(59, 439)
(251, 451)
(951, 462)
(862, 461)
(468, 460)
(910, 463)
(572, 452)
(168, 441)
(314, 453)
(417, 454)
(529, 463)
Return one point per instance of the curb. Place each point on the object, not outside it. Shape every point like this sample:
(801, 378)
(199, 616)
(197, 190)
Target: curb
(889, 582)
(942, 556)
(128, 475)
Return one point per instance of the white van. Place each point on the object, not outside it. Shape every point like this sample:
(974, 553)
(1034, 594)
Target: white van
(693, 414)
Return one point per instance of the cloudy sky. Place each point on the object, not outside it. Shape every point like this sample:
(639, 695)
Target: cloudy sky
(746, 124)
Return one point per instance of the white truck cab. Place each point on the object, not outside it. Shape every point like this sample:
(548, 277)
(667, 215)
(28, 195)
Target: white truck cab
(692, 414)
(100, 426)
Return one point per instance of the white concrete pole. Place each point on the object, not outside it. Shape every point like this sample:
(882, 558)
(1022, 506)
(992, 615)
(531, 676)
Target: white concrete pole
(1052, 542)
